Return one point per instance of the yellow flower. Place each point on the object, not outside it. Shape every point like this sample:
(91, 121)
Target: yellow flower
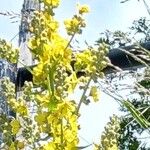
(39, 74)
(13, 103)
(50, 146)
(85, 61)
(97, 147)
(74, 122)
(114, 147)
(41, 118)
(66, 108)
(53, 3)
(15, 124)
(83, 9)
(71, 82)
(33, 45)
(69, 136)
(22, 110)
(94, 93)
(12, 146)
(73, 25)
(8, 52)
(54, 25)
(20, 144)
(53, 118)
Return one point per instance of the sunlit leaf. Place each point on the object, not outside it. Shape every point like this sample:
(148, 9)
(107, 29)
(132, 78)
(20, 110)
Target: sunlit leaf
(137, 115)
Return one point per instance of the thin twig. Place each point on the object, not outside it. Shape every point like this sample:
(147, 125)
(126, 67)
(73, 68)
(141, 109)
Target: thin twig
(82, 97)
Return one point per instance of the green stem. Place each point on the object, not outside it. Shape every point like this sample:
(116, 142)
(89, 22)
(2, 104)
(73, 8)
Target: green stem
(83, 95)
(48, 84)
(62, 139)
(72, 37)
(70, 41)
(51, 78)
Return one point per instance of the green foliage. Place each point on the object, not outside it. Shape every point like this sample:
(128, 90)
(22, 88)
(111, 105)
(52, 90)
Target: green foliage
(8, 52)
(141, 27)
(138, 119)
(127, 139)
(145, 82)
(130, 129)
(114, 39)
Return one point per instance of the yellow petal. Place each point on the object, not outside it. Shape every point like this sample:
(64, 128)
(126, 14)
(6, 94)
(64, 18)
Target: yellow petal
(94, 93)
(15, 124)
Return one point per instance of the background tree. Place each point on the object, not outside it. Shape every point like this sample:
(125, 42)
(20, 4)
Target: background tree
(130, 129)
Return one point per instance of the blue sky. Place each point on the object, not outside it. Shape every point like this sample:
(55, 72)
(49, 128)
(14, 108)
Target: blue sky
(105, 14)
(7, 29)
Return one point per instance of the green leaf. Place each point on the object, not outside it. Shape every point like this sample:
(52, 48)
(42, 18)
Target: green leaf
(137, 115)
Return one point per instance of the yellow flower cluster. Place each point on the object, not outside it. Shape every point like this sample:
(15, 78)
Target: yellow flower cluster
(15, 124)
(19, 106)
(10, 126)
(83, 9)
(64, 127)
(71, 82)
(52, 3)
(94, 93)
(8, 52)
(77, 22)
(74, 25)
(109, 138)
(18, 144)
(85, 61)
(8, 88)
(54, 77)
(92, 60)
(54, 73)
(49, 48)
